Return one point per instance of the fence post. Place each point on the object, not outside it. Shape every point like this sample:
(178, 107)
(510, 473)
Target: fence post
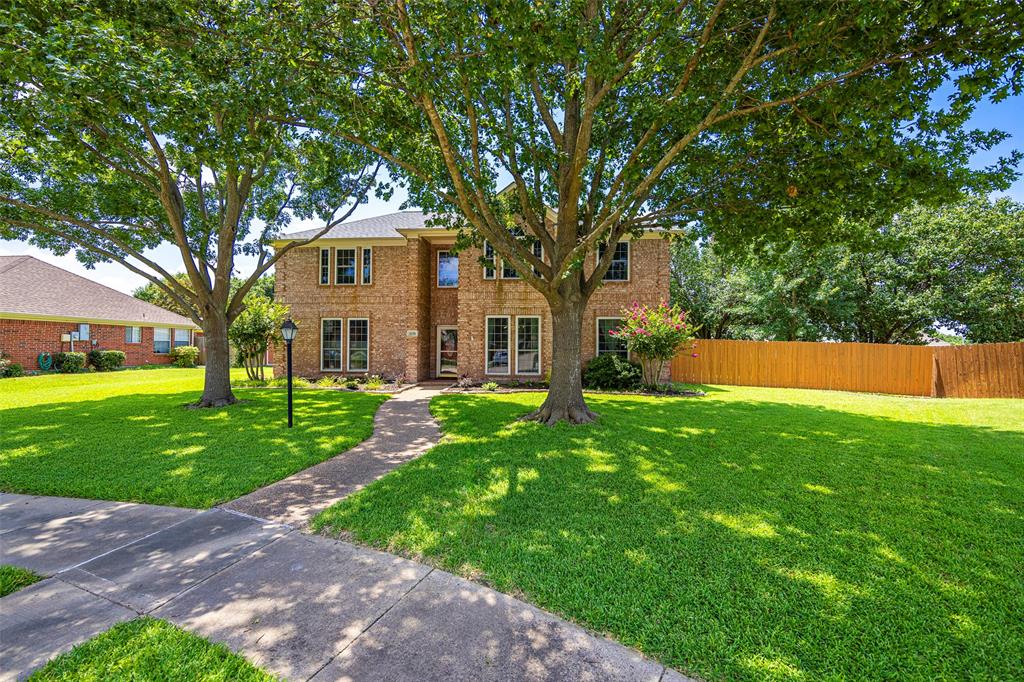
(937, 388)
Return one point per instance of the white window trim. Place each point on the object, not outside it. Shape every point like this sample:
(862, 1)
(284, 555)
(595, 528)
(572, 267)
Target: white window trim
(355, 267)
(340, 350)
(133, 327)
(494, 259)
(362, 271)
(437, 346)
(320, 267)
(348, 345)
(508, 350)
(597, 334)
(501, 271)
(540, 345)
(170, 341)
(437, 277)
(629, 263)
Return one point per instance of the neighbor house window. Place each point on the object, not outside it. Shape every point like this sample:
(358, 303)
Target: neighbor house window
(83, 332)
(367, 265)
(330, 345)
(181, 337)
(447, 270)
(606, 343)
(345, 266)
(133, 334)
(161, 340)
(497, 361)
(325, 266)
(489, 272)
(358, 345)
(618, 271)
(528, 345)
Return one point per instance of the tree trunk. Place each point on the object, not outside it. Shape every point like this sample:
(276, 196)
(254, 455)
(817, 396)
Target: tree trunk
(217, 388)
(565, 392)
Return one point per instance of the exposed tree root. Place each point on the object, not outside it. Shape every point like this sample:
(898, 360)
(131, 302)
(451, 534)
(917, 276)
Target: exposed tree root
(550, 415)
(219, 402)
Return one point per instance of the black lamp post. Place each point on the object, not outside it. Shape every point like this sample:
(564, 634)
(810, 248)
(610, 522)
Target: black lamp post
(288, 331)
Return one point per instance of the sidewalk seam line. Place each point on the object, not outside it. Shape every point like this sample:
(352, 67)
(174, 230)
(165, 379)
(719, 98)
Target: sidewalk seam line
(97, 594)
(129, 544)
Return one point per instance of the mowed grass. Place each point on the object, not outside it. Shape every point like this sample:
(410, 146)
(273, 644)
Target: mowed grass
(149, 649)
(129, 436)
(752, 534)
(13, 578)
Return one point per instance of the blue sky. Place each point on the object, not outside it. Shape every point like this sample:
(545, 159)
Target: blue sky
(1007, 115)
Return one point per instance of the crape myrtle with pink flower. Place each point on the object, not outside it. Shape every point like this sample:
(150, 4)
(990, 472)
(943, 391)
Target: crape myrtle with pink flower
(655, 335)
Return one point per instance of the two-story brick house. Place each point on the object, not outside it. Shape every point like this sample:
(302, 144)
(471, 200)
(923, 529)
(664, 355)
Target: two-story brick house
(388, 296)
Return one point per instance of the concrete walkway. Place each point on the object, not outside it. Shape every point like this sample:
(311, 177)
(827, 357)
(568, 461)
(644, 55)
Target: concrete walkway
(300, 606)
(402, 430)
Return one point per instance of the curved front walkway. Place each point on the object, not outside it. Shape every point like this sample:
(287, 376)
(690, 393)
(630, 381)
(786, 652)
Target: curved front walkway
(300, 606)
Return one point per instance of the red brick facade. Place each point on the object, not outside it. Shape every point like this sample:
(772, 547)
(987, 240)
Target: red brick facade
(24, 340)
(405, 307)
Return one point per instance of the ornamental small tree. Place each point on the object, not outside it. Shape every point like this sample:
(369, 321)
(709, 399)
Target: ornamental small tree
(654, 335)
(255, 328)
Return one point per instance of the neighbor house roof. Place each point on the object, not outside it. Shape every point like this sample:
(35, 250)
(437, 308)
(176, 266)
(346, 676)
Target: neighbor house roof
(33, 290)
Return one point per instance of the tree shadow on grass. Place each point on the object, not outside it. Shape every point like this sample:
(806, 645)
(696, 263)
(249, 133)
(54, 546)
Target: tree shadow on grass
(152, 448)
(739, 539)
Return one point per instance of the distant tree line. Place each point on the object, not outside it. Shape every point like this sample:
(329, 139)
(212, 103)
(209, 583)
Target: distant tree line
(924, 274)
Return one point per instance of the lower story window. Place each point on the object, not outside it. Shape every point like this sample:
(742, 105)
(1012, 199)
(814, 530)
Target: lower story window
(497, 361)
(606, 343)
(133, 334)
(161, 340)
(358, 345)
(180, 337)
(527, 345)
(330, 345)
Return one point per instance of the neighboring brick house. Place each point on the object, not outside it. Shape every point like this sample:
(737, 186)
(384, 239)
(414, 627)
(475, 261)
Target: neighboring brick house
(46, 308)
(387, 296)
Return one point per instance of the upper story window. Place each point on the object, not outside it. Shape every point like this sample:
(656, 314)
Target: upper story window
(618, 271)
(367, 273)
(507, 271)
(325, 266)
(489, 271)
(447, 270)
(345, 266)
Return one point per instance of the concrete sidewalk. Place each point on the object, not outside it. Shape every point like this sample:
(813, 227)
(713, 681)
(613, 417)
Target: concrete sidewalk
(300, 606)
(402, 430)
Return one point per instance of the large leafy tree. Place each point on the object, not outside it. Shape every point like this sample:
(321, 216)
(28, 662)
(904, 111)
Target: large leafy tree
(157, 295)
(128, 125)
(749, 121)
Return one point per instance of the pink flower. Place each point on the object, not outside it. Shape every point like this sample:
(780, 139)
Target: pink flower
(694, 355)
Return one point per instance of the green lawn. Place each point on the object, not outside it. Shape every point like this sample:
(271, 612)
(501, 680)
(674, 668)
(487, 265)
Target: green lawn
(129, 436)
(149, 649)
(13, 578)
(751, 534)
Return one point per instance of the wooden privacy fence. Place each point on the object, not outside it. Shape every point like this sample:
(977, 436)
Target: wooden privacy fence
(994, 370)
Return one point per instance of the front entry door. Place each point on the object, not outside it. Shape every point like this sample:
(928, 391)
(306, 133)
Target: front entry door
(447, 351)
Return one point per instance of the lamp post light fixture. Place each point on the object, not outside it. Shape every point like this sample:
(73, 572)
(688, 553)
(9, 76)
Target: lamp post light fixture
(288, 331)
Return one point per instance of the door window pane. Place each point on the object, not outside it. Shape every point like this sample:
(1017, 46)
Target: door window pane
(161, 340)
(330, 345)
(497, 345)
(606, 343)
(358, 345)
(346, 266)
(528, 345)
(448, 351)
(447, 269)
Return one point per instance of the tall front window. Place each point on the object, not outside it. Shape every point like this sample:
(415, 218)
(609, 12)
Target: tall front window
(325, 266)
(606, 343)
(133, 334)
(497, 345)
(358, 345)
(180, 337)
(330, 345)
(161, 340)
(345, 266)
(367, 265)
(447, 270)
(527, 345)
(618, 271)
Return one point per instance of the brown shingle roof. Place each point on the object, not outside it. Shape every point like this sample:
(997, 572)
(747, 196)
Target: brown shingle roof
(30, 288)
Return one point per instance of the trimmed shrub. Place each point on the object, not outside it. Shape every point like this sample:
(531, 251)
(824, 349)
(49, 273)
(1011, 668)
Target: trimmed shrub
(184, 356)
(106, 360)
(12, 369)
(490, 386)
(69, 363)
(611, 373)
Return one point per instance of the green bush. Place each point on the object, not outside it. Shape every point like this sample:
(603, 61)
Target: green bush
(69, 363)
(106, 360)
(184, 356)
(611, 373)
(490, 386)
(12, 369)
(351, 384)
(374, 382)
